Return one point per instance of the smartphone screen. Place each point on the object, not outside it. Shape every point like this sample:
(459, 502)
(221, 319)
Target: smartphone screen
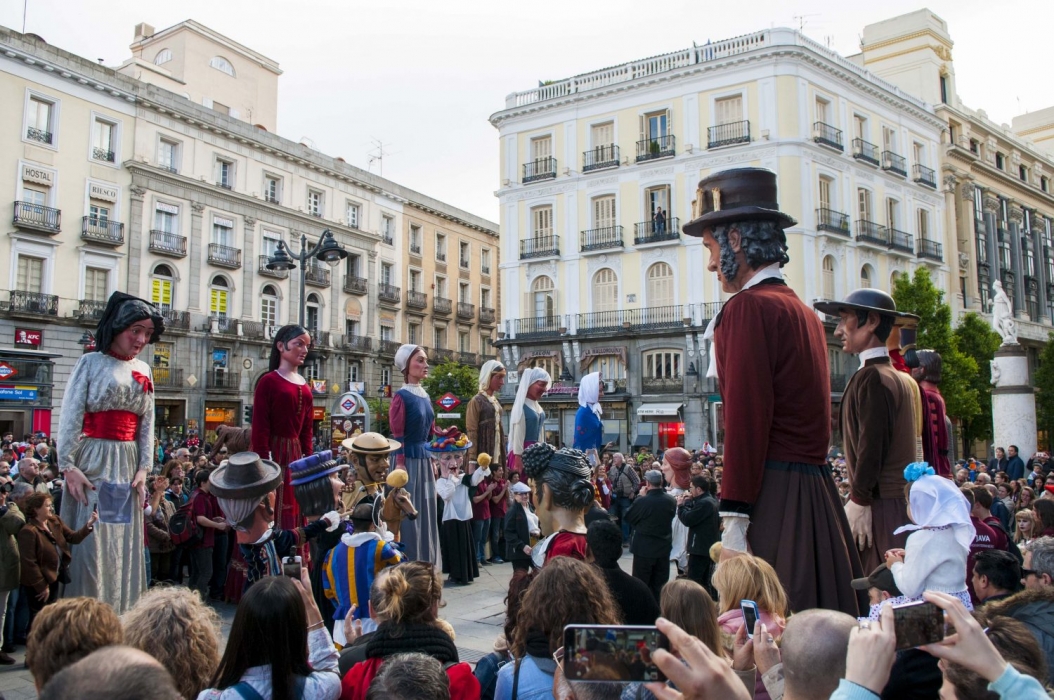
(917, 624)
(750, 615)
(612, 653)
(291, 567)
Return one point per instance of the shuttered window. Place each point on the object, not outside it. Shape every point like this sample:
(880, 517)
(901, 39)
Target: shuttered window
(541, 221)
(605, 290)
(863, 198)
(825, 193)
(660, 285)
(96, 284)
(602, 134)
(541, 147)
(828, 277)
(218, 303)
(729, 109)
(30, 274)
(603, 212)
(161, 293)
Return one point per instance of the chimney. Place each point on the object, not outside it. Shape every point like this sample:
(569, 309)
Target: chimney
(143, 31)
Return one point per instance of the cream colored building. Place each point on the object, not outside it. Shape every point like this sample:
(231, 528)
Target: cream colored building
(997, 179)
(594, 280)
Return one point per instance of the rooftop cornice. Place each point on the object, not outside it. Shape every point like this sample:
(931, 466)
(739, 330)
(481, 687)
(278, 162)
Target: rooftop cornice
(254, 56)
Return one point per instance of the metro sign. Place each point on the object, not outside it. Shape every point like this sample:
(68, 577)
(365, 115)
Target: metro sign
(7, 371)
(348, 404)
(448, 401)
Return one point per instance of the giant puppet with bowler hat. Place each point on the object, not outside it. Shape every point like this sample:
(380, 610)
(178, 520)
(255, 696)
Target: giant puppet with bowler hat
(769, 356)
(879, 419)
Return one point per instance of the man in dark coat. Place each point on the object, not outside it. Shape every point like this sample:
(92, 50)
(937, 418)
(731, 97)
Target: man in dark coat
(517, 528)
(635, 600)
(698, 512)
(1015, 467)
(769, 356)
(652, 517)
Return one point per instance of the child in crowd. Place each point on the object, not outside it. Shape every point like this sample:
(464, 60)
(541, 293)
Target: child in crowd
(937, 548)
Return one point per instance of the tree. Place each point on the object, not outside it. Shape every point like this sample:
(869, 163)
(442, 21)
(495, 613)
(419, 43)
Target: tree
(919, 296)
(379, 410)
(1043, 380)
(457, 379)
(977, 339)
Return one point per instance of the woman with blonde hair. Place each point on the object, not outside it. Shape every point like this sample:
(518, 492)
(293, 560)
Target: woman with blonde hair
(172, 624)
(1024, 532)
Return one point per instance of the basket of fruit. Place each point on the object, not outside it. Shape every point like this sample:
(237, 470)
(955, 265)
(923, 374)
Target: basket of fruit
(453, 441)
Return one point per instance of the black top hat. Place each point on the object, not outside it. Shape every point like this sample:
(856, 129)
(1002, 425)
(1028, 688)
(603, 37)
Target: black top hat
(741, 194)
(865, 300)
(246, 476)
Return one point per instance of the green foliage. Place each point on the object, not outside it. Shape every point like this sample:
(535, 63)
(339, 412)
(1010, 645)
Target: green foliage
(379, 410)
(1043, 379)
(919, 296)
(460, 380)
(977, 339)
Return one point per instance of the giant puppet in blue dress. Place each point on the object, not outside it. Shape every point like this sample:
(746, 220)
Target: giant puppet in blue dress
(589, 428)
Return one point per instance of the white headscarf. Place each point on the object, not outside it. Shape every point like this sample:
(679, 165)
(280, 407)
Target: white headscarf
(530, 376)
(402, 356)
(490, 367)
(589, 393)
(937, 502)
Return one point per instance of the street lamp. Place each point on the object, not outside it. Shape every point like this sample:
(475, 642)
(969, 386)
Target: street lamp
(326, 250)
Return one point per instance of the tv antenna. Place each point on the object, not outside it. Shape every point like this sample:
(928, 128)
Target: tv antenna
(802, 21)
(377, 156)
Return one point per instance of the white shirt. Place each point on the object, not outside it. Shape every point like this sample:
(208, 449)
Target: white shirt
(872, 353)
(765, 273)
(455, 493)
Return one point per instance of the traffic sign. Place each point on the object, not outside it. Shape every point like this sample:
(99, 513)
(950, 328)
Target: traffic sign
(7, 371)
(448, 416)
(448, 401)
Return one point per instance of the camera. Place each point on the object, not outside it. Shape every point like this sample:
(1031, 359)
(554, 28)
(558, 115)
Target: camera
(7, 487)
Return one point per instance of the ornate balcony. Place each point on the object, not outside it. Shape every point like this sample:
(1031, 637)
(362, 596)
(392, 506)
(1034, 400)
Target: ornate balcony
(865, 151)
(469, 359)
(171, 244)
(222, 380)
(602, 238)
(39, 135)
(441, 256)
(256, 330)
(662, 385)
(652, 232)
(466, 311)
(355, 285)
(441, 306)
(90, 311)
(443, 355)
(415, 249)
(33, 303)
(827, 135)
(37, 217)
(103, 155)
(894, 163)
(539, 326)
(600, 157)
(728, 134)
(870, 232)
(540, 247)
(167, 378)
(831, 220)
(486, 316)
(316, 274)
(176, 320)
(356, 343)
(930, 250)
(416, 300)
(924, 176)
(224, 256)
(262, 269)
(656, 147)
(540, 169)
(103, 231)
(389, 347)
(901, 241)
(388, 294)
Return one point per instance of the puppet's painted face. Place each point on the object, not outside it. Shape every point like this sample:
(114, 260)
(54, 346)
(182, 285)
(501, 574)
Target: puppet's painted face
(294, 351)
(497, 381)
(667, 472)
(376, 467)
(131, 341)
(535, 390)
(542, 498)
(418, 367)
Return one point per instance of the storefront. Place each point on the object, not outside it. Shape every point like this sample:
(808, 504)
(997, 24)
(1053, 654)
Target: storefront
(668, 430)
(26, 381)
(170, 418)
(219, 413)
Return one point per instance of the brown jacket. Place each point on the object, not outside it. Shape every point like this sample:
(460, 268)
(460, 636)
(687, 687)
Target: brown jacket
(38, 554)
(483, 425)
(10, 523)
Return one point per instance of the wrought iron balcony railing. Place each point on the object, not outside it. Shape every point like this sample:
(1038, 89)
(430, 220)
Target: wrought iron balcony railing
(102, 154)
(224, 256)
(865, 151)
(486, 316)
(539, 326)
(894, 163)
(540, 169)
(600, 157)
(901, 241)
(41, 135)
(728, 134)
(415, 249)
(871, 232)
(831, 220)
(441, 306)
(443, 355)
(262, 269)
(441, 256)
(166, 243)
(176, 320)
(316, 274)
(167, 377)
(540, 247)
(656, 147)
(656, 232)
(354, 284)
(222, 380)
(33, 303)
(389, 347)
(416, 300)
(923, 175)
(102, 231)
(90, 310)
(602, 238)
(356, 343)
(827, 135)
(225, 184)
(388, 294)
(662, 385)
(931, 250)
(466, 311)
(38, 217)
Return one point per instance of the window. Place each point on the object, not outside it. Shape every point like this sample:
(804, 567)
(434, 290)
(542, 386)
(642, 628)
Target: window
(605, 290)
(314, 203)
(484, 298)
(822, 109)
(30, 274)
(1000, 161)
(353, 265)
(96, 284)
(166, 218)
(354, 369)
(354, 214)
(415, 239)
(440, 247)
(919, 153)
(388, 229)
(923, 225)
(1028, 256)
(103, 146)
(440, 287)
(975, 147)
(161, 288)
(485, 348)
(270, 243)
(351, 327)
(860, 129)
(272, 189)
(662, 364)
(541, 147)
(386, 372)
(98, 215)
(387, 333)
(225, 175)
(40, 122)
(163, 56)
(892, 213)
(439, 337)
(464, 293)
(604, 212)
(542, 221)
(415, 280)
(312, 313)
(544, 297)
(660, 285)
(889, 139)
(656, 198)
(655, 126)
(168, 155)
(728, 110)
(863, 197)
(601, 135)
(484, 261)
(463, 254)
(866, 275)
(825, 186)
(1044, 183)
(1022, 172)
(413, 333)
(223, 232)
(219, 295)
(944, 89)
(269, 306)
(387, 274)
(828, 278)
(223, 65)
(35, 197)
(463, 344)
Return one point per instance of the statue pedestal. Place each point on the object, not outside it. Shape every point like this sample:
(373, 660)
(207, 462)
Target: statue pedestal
(1013, 401)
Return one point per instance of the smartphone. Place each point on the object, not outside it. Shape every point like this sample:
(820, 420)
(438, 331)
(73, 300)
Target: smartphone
(612, 653)
(291, 567)
(917, 624)
(750, 615)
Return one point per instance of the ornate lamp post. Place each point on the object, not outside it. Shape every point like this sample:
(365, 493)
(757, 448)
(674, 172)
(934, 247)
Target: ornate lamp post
(326, 250)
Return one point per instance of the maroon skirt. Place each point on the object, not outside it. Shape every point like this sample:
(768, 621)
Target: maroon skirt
(798, 525)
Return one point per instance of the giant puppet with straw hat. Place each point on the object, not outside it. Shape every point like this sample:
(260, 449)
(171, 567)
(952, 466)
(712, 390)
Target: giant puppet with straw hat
(880, 421)
(769, 357)
(370, 455)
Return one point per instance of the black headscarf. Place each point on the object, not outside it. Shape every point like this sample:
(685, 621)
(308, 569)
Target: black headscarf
(122, 310)
(284, 335)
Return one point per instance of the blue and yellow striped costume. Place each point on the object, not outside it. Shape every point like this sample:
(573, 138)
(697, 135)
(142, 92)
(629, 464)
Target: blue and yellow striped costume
(350, 568)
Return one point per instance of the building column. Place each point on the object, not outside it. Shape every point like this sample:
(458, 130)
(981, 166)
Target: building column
(135, 240)
(248, 267)
(194, 246)
(1017, 259)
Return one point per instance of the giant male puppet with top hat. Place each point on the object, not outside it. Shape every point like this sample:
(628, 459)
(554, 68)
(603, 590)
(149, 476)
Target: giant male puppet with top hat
(769, 356)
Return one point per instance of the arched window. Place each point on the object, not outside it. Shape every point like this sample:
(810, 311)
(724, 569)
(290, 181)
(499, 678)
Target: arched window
(866, 276)
(162, 287)
(605, 290)
(222, 64)
(312, 313)
(828, 277)
(269, 305)
(219, 297)
(660, 285)
(543, 297)
(163, 56)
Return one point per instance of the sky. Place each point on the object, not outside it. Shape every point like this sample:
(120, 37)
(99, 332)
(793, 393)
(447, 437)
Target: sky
(424, 77)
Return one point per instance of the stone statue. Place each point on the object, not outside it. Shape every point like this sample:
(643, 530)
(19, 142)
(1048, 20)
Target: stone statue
(1003, 315)
(996, 372)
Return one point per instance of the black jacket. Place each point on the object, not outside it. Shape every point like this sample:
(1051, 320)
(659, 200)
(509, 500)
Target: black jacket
(700, 516)
(517, 532)
(635, 599)
(652, 519)
(1035, 609)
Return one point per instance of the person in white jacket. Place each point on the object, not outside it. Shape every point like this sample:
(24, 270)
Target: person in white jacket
(456, 488)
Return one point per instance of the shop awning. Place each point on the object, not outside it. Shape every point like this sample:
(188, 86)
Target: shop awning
(659, 409)
(642, 441)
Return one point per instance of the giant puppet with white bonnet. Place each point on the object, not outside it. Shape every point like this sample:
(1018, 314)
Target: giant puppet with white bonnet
(412, 422)
(483, 415)
(589, 428)
(527, 420)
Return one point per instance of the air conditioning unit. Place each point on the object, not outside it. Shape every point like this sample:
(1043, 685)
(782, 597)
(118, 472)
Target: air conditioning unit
(609, 386)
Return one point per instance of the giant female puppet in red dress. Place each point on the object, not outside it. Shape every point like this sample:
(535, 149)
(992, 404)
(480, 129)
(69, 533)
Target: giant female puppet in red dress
(106, 440)
(282, 407)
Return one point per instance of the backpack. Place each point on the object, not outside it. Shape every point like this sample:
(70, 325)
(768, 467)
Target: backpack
(183, 527)
(1011, 546)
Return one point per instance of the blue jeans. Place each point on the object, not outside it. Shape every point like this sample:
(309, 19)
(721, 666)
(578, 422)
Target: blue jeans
(497, 529)
(620, 505)
(480, 535)
(16, 622)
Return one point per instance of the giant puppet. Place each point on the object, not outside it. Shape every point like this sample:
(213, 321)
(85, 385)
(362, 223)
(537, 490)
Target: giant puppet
(935, 427)
(105, 442)
(769, 356)
(483, 415)
(562, 495)
(527, 419)
(878, 423)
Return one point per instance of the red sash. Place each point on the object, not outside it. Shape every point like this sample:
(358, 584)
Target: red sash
(111, 425)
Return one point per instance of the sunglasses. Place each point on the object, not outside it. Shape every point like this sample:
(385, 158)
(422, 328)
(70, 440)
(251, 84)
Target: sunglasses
(1025, 573)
